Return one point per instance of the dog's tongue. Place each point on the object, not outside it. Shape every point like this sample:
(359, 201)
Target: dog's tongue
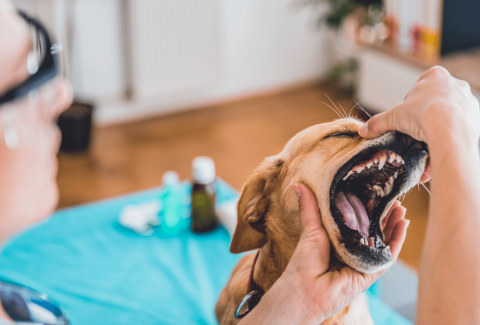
(353, 212)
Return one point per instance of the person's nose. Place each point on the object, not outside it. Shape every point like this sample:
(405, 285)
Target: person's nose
(57, 97)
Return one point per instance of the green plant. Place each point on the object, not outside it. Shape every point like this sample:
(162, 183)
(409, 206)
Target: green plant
(340, 9)
(344, 76)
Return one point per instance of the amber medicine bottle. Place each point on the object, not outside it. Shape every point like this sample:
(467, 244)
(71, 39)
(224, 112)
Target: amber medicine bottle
(204, 218)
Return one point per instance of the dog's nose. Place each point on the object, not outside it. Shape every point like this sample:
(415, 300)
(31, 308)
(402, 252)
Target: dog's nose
(408, 140)
(420, 146)
(406, 143)
(412, 144)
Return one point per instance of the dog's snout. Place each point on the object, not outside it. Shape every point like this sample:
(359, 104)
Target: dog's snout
(410, 144)
(408, 140)
(420, 146)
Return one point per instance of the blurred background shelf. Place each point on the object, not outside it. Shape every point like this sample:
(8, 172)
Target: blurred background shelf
(386, 74)
(463, 65)
(419, 34)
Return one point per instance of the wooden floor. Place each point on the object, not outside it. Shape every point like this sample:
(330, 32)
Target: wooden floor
(237, 135)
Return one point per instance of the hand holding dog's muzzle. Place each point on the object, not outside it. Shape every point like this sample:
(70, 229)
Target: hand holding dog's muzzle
(439, 110)
(325, 291)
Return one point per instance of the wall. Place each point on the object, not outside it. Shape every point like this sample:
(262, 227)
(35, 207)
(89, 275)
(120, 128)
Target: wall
(97, 53)
(263, 45)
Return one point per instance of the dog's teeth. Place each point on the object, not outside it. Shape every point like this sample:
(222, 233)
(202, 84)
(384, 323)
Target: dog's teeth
(383, 160)
(403, 161)
(399, 159)
(391, 157)
(388, 189)
(396, 175)
(359, 169)
(379, 190)
(375, 160)
(363, 241)
(348, 175)
(370, 164)
(391, 179)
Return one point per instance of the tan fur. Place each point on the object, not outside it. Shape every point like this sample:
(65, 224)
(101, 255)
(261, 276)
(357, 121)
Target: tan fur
(268, 214)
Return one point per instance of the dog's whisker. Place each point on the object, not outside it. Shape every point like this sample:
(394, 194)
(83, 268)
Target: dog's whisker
(336, 108)
(346, 115)
(428, 176)
(360, 106)
(332, 109)
(286, 189)
(331, 101)
(351, 109)
(389, 274)
(426, 189)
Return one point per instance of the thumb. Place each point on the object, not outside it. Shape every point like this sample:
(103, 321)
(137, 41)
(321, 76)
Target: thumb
(314, 245)
(378, 125)
(309, 214)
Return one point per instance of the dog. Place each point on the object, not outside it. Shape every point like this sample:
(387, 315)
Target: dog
(355, 181)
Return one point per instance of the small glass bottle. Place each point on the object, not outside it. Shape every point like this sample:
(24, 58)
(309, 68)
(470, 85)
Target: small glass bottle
(204, 218)
(171, 200)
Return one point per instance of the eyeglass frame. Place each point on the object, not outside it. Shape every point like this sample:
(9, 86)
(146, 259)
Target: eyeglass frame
(47, 70)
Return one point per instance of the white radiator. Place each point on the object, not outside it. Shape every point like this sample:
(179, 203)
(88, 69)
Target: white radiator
(173, 46)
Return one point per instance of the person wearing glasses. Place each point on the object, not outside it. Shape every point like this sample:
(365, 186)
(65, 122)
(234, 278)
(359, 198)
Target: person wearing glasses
(31, 100)
(439, 110)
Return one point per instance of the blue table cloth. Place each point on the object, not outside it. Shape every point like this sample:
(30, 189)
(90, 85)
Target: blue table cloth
(101, 273)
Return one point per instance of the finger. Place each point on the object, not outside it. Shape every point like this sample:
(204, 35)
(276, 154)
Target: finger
(398, 237)
(309, 214)
(397, 214)
(378, 124)
(395, 204)
(426, 174)
(358, 282)
(396, 244)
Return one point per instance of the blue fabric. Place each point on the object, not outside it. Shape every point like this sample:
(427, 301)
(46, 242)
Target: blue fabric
(101, 273)
(383, 314)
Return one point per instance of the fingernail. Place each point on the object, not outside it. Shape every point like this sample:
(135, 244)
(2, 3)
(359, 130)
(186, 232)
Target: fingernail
(408, 223)
(363, 129)
(297, 190)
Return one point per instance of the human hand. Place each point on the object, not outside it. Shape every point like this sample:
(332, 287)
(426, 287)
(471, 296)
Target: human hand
(14, 47)
(323, 290)
(437, 106)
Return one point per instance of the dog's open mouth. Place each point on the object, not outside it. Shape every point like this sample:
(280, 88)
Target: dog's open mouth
(361, 195)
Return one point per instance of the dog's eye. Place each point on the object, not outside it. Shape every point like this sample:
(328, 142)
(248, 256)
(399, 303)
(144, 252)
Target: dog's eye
(342, 134)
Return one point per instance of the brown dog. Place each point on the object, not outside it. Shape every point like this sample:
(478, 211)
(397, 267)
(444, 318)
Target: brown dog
(355, 182)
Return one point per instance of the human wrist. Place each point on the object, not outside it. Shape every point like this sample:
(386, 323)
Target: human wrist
(282, 304)
(449, 132)
(447, 119)
(294, 288)
(452, 141)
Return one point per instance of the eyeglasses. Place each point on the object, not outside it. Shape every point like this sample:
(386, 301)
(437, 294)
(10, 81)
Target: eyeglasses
(41, 63)
(26, 306)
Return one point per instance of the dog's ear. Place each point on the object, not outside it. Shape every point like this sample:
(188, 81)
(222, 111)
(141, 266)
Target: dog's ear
(253, 205)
